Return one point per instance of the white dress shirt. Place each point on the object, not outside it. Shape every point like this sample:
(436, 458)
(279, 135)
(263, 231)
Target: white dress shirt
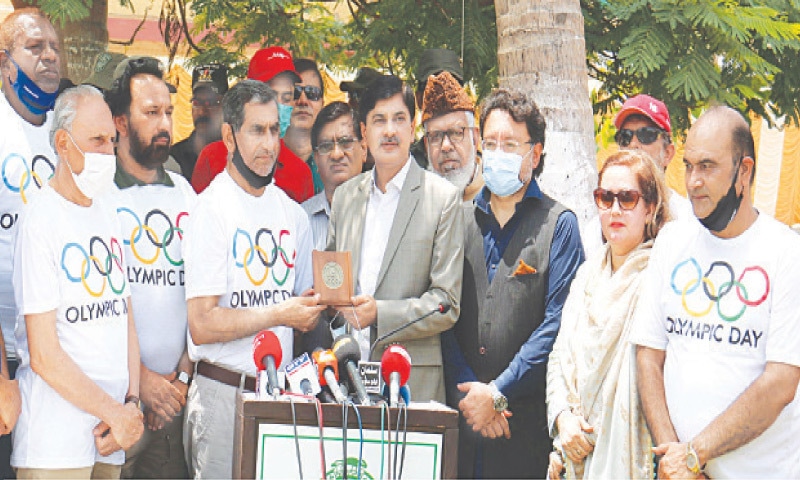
(381, 208)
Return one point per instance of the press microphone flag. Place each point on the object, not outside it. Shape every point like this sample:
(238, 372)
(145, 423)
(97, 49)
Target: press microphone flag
(395, 368)
(267, 354)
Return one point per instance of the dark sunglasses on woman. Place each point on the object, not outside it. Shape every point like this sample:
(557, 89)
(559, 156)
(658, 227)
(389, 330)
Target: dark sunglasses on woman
(605, 198)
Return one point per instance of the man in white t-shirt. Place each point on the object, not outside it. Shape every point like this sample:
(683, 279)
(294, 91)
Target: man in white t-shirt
(76, 339)
(718, 338)
(643, 124)
(247, 248)
(29, 74)
(152, 205)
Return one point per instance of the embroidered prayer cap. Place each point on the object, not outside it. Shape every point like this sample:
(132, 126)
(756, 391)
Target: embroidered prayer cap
(444, 95)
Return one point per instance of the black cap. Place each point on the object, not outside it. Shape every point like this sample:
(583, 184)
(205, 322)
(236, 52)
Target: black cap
(364, 77)
(437, 60)
(214, 76)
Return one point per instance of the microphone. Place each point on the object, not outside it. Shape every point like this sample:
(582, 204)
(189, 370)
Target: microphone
(328, 370)
(347, 351)
(267, 353)
(442, 308)
(302, 376)
(395, 368)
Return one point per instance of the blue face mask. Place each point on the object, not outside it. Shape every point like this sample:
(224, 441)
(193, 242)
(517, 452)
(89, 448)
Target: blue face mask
(501, 172)
(284, 115)
(34, 98)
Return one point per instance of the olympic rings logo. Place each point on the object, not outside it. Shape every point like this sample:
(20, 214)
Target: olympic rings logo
(751, 287)
(18, 175)
(93, 265)
(267, 255)
(149, 254)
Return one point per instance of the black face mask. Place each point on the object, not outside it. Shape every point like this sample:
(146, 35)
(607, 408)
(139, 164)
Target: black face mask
(726, 208)
(252, 178)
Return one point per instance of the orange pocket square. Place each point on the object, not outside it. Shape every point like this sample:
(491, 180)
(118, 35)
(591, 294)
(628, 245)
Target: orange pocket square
(524, 269)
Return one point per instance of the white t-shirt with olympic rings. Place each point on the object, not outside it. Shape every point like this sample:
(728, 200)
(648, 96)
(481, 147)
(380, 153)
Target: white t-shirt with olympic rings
(26, 161)
(251, 252)
(70, 259)
(722, 309)
(153, 218)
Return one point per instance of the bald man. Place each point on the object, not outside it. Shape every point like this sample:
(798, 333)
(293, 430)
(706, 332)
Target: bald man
(718, 341)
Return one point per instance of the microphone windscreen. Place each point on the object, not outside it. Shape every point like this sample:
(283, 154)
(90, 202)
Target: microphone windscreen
(264, 344)
(346, 348)
(396, 359)
(325, 359)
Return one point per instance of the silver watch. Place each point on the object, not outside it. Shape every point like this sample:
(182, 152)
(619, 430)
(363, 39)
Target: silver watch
(500, 400)
(184, 378)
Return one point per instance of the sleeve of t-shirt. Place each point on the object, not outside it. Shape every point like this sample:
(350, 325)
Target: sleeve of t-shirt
(36, 269)
(783, 336)
(205, 252)
(304, 277)
(648, 329)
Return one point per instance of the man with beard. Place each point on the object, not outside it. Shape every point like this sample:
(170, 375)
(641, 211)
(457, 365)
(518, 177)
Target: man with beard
(451, 138)
(29, 64)
(209, 84)
(151, 204)
(308, 100)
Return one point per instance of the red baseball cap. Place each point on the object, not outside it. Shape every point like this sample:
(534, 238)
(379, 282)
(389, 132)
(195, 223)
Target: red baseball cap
(648, 106)
(269, 62)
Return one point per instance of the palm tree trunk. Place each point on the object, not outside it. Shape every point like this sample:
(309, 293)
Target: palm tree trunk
(541, 51)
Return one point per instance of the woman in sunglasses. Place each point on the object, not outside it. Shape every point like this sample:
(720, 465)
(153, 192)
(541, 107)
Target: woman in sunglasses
(593, 407)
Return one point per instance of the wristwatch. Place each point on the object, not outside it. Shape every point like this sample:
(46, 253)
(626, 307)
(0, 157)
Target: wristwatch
(500, 400)
(692, 460)
(184, 378)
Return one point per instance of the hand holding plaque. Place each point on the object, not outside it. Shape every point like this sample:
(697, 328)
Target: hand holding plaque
(333, 277)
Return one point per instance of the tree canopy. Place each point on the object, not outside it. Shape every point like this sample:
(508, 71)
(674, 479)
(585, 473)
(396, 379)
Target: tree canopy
(690, 53)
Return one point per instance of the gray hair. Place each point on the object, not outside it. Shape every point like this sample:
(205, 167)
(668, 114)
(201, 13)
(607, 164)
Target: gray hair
(244, 92)
(67, 107)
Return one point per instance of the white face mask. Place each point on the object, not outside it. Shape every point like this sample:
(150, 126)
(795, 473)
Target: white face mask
(98, 172)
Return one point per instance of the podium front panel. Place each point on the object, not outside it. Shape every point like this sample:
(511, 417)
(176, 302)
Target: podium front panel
(265, 445)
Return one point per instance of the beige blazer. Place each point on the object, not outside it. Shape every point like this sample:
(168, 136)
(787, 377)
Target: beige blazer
(421, 268)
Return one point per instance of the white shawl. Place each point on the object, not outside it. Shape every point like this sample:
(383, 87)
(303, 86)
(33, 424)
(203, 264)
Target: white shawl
(592, 368)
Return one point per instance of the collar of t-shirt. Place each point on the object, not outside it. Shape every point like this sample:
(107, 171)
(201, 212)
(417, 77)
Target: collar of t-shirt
(124, 180)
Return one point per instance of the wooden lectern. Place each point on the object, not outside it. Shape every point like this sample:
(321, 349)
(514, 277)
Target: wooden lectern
(265, 440)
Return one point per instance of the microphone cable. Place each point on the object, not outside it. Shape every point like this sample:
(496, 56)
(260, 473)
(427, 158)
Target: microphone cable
(361, 438)
(344, 437)
(404, 410)
(320, 424)
(296, 438)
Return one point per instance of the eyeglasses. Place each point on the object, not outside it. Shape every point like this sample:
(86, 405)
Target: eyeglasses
(454, 135)
(646, 136)
(506, 146)
(627, 198)
(345, 144)
(312, 93)
(207, 103)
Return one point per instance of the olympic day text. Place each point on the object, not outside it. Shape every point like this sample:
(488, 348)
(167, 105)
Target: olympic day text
(714, 333)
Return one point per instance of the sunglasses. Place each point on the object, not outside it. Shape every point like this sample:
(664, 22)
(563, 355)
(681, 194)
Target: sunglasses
(312, 93)
(627, 198)
(646, 136)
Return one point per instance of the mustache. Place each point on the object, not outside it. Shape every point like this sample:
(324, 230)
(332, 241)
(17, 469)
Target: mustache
(204, 119)
(393, 139)
(163, 135)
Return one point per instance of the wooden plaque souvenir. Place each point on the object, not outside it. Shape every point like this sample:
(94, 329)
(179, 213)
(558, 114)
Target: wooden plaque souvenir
(333, 277)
